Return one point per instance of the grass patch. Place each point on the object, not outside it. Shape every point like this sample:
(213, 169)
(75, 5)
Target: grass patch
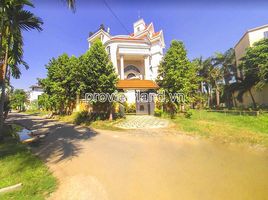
(226, 127)
(19, 165)
(106, 125)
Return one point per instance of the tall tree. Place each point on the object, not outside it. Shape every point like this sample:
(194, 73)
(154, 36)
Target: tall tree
(61, 85)
(177, 74)
(18, 99)
(14, 19)
(97, 74)
(227, 65)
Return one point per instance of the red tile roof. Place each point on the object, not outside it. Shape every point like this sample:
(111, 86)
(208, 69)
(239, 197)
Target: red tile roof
(136, 84)
(155, 34)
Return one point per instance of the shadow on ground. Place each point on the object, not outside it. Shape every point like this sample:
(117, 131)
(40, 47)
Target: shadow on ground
(62, 140)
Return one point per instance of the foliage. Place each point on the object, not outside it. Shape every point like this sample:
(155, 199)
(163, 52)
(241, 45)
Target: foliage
(255, 62)
(82, 117)
(14, 20)
(61, 84)
(188, 114)
(33, 105)
(97, 74)
(69, 77)
(217, 73)
(19, 165)
(158, 112)
(18, 99)
(130, 107)
(177, 74)
(254, 66)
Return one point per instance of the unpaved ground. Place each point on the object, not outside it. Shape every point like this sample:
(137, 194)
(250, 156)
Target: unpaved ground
(147, 165)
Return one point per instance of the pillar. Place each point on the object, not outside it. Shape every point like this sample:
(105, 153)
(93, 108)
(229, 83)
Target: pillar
(122, 67)
(146, 67)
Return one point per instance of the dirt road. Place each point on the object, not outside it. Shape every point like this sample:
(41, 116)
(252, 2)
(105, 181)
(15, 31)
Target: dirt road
(141, 165)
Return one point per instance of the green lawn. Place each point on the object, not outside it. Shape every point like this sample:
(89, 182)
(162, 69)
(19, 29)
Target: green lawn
(226, 127)
(19, 165)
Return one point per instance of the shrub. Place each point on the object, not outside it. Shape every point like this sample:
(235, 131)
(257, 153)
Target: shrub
(188, 114)
(158, 112)
(130, 108)
(82, 117)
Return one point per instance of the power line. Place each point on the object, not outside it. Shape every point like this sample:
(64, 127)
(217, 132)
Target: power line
(117, 18)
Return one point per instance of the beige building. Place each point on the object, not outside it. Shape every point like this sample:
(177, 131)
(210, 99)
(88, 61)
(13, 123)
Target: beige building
(247, 40)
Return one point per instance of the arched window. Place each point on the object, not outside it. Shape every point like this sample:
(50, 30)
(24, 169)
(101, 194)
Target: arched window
(131, 76)
(131, 67)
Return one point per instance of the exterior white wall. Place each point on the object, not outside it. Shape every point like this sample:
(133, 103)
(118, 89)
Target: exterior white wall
(143, 46)
(257, 35)
(130, 95)
(138, 26)
(33, 95)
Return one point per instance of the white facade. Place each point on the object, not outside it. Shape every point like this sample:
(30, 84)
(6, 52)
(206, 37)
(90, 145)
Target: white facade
(34, 93)
(134, 56)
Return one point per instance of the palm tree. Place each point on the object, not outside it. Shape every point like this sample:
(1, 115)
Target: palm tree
(226, 62)
(71, 4)
(14, 19)
(212, 76)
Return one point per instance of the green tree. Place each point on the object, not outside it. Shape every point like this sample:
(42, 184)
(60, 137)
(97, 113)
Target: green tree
(254, 66)
(255, 63)
(18, 99)
(227, 65)
(13, 20)
(177, 74)
(61, 85)
(97, 74)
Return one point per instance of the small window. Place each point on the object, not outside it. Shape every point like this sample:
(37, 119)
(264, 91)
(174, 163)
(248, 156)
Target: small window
(138, 29)
(265, 34)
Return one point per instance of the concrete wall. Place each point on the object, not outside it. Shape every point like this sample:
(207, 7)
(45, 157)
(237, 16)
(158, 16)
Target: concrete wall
(260, 96)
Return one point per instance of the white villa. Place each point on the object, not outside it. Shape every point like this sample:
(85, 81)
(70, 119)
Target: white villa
(136, 58)
(35, 92)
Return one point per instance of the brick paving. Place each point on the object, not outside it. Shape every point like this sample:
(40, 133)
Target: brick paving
(142, 121)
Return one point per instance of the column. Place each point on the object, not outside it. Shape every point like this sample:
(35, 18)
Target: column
(146, 67)
(122, 67)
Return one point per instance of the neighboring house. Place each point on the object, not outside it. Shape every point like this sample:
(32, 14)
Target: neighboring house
(136, 58)
(35, 92)
(247, 40)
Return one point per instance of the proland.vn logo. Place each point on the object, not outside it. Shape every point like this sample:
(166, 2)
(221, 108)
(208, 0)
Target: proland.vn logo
(139, 96)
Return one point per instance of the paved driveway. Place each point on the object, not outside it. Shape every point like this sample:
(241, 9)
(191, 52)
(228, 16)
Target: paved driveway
(108, 165)
(142, 122)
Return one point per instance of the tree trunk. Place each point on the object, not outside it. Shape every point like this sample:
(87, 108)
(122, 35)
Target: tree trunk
(234, 100)
(217, 97)
(3, 93)
(2, 103)
(253, 100)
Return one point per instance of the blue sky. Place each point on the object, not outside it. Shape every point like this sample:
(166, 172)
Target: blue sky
(204, 27)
